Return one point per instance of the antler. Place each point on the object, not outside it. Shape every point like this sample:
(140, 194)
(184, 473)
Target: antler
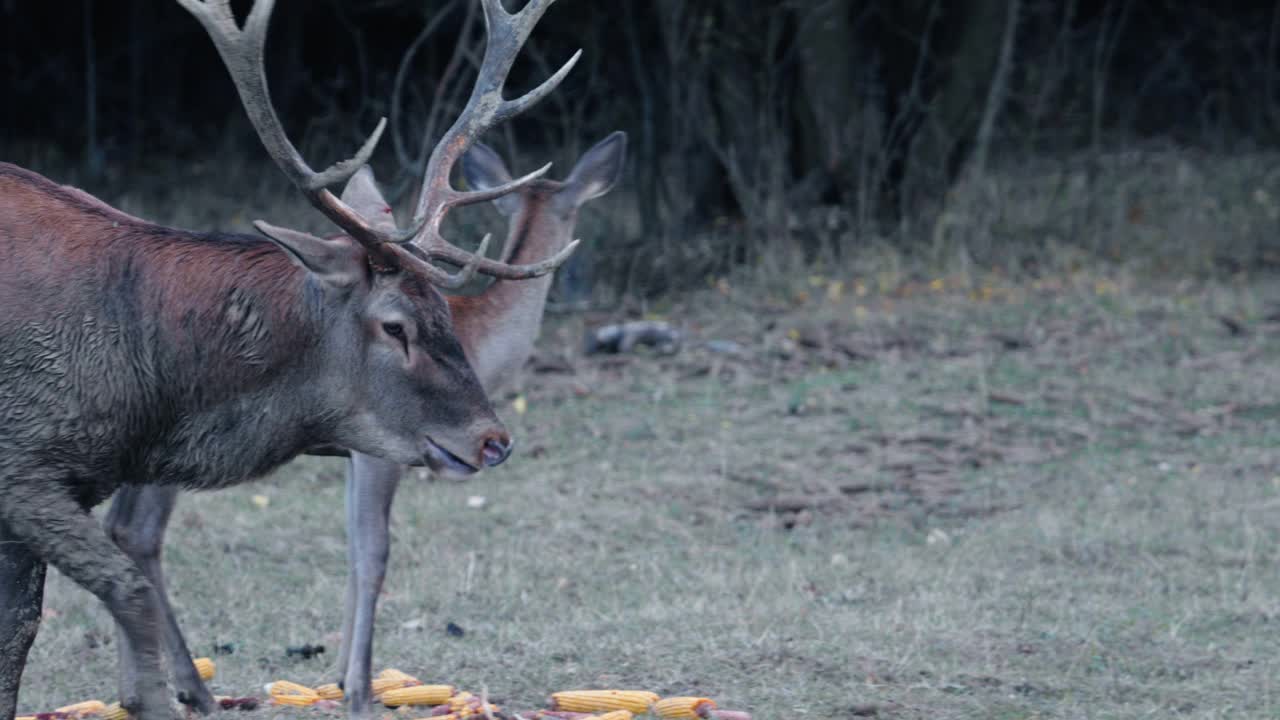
(505, 34)
(242, 52)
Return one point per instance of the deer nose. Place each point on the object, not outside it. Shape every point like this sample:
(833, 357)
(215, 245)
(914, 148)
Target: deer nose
(496, 450)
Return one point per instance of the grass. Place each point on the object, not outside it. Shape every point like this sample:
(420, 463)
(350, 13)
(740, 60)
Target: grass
(916, 490)
(1057, 502)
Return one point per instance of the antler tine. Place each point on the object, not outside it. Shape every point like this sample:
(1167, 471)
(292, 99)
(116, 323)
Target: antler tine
(497, 269)
(468, 271)
(505, 34)
(242, 53)
(471, 197)
(511, 108)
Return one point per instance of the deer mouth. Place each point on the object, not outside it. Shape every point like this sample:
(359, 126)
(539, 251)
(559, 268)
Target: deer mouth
(442, 461)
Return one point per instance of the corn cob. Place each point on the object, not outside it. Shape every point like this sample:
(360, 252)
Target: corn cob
(283, 692)
(394, 674)
(465, 703)
(204, 668)
(295, 700)
(615, 715)
(115, 712)
(285, 687)
(81, 709)
(417, 695)
(25, 717)
(381, 685)
(461, 704)
(684, 707)
(329, 691)
(637, 701)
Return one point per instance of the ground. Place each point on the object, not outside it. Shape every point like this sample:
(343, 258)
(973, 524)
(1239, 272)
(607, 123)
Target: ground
(1054, 498)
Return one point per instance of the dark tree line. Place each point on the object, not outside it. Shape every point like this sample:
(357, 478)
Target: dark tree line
(743, 116)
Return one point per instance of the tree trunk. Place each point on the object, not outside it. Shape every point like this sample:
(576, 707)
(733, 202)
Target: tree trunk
(827, 103)
(997, 92)
(93, 152)
(949, 128)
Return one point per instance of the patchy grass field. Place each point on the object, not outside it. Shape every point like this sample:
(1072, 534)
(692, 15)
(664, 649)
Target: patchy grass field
(1054, 500)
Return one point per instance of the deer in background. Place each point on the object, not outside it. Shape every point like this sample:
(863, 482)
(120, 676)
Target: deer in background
(497, 329)
(136, 353)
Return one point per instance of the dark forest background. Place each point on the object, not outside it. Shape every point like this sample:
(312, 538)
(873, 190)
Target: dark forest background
(780, 134)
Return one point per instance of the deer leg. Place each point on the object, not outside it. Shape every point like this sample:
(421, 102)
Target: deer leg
(371, 485)
(137, 521)
(59, 530)
(349, 606)
(21, 596)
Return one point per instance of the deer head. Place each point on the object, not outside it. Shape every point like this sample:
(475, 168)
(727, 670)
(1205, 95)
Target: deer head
(554, 203)
(389, 355)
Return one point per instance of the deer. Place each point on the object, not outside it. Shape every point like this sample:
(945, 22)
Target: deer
(132, 352)
(497, 329)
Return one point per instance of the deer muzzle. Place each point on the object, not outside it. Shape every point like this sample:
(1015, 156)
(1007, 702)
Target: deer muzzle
(496, 450)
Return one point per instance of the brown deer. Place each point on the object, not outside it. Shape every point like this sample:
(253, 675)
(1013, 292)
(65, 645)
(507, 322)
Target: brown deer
(133, 352)
(497, 329)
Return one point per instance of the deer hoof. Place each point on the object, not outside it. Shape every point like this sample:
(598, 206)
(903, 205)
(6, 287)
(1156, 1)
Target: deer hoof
(201, 701)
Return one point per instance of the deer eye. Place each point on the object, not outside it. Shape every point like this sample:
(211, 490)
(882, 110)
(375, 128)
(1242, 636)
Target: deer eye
(396, 331)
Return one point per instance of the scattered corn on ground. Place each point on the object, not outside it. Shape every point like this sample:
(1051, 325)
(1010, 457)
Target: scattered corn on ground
(397, 689)
(205, 668)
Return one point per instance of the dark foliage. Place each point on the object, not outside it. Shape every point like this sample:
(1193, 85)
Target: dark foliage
(743, 116)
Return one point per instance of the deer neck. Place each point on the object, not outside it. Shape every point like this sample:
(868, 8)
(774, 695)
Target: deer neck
(498, 327)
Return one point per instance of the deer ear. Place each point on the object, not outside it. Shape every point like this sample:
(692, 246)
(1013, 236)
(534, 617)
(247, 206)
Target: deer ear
(596, 173)
(338, 262)
(362, 195)
(483, 168)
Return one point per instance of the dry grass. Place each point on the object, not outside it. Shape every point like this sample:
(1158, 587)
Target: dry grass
(1056, 502)
(1158, 208)
(909, 486)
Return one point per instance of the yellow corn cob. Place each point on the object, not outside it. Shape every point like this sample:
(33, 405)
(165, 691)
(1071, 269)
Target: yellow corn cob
(381, 685)
(115, 712)
(81, 709)
(417, 695)
(294, 699)
(25, 717)
(465, 703)
(683, 707)
(285, 687)
(394, 674)
(461, 700)
(204, 668)
(283, 692)
(330, 691)
(615, 715)
(637, 701)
